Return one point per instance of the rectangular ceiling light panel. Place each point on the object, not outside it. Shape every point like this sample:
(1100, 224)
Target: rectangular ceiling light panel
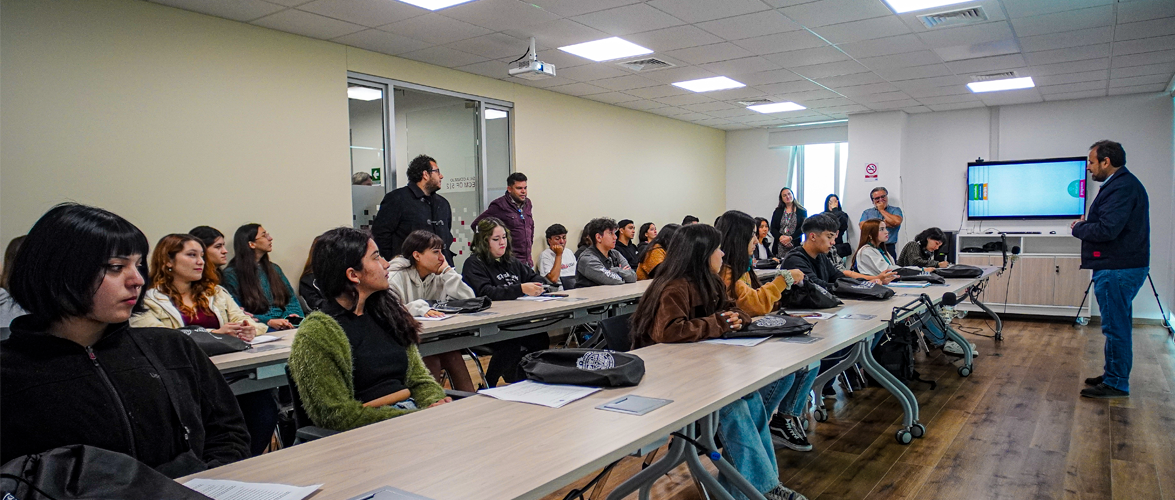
(494, 114)
(998, 85)
(776, 107)
(606, 49)
(435, 4)
(904, 6)
(364, 93)
(709, 84)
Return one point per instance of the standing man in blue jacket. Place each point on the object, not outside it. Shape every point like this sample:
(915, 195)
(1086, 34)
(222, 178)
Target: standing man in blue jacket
(1116, 244)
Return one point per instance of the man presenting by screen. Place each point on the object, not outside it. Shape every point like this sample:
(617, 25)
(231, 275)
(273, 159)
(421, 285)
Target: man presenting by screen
(890, 214)
(1115, 244)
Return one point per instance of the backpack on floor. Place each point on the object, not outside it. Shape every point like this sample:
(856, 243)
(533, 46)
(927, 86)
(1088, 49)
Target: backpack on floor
(895, 353)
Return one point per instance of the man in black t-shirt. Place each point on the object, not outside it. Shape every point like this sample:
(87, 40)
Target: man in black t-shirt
(812, 257)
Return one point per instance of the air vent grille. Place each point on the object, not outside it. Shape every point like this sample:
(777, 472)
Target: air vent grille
(647, 64)
(1003, 75)
(752, 102)
(954, 17)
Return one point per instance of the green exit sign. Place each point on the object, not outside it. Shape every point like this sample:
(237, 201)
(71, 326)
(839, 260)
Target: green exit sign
(375, 174)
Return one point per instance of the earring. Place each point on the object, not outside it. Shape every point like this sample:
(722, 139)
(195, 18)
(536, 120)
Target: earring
(169, 269)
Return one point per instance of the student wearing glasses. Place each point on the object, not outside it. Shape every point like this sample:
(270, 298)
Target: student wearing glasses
(257, 284)
(412, 207)
(891, 215)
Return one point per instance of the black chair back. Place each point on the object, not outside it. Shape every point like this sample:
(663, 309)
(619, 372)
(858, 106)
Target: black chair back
(616, 333)
(301, 419)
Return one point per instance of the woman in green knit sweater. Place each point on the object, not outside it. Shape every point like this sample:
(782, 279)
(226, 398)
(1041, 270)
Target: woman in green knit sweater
(356, 361)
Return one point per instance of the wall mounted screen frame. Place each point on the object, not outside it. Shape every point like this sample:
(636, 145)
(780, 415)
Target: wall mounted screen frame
(1040, 189)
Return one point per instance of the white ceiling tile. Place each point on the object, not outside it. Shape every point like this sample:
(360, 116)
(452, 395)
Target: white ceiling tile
(679, 74)
(710, 53)
(1139, 80)
(307, 24)
(492, 69)
(1064, 21)
(1144, 44)
(1007, 97)
(669, 111)
(782, 42)
(499, 15)
(807, 95)
(957, 105)
(569, 8)
(382, 41)
(749, 25)
(691, 116)
(766, 77)
(590, 72)
(1075, 95)
(856, 31)
(611, 97)
(827, 12)
(1129, 12)
(1071, 87)
(541, 84)
(732, 95)
(1084, 76)
(1162, 56)
(734, 113)
(864, 90)
(850, 80)
(682, 100)
(641, 105)
(696, 11)
(741, 66)
(443, 56)
(677, 37)
(948, 99)
(848, 108)
(919, 58)
(823, 104)
(242, 10)
(707, 107)
(868, 99)
(973, 51)
(578, 89)
(1149, 69)
(1027, 8)
(370, 13)
(560, 59)
(558, 33)
(914, 73)
(922, 93)
(884, 46)
(892, 105)
(1068, 67)
(1144, 29)
(808, 57)
(987, 64)
(1069, 54)
(625, 82)
(628, 19)
(787, 87)
(493, 46)
(1067, 39)
(436, 29)
(657, 91)
(967, 35)
(917, 109)
(1141, 89)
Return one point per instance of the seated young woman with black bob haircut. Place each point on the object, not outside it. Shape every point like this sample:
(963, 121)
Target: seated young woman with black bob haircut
(259, 285)
(920, 252)
(357, 360)
(493, 271)
(687, 302)
(75, 372)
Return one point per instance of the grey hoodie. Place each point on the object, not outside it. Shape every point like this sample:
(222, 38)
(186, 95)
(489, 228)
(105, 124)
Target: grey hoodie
(415, 292)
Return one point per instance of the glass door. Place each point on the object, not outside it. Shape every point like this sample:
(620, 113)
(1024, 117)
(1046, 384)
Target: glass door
(497, 153)
(367, 107)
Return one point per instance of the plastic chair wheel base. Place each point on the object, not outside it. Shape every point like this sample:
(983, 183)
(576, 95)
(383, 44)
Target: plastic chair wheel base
(918, 430)
(904, 436)
(821, 415)
(964, 371)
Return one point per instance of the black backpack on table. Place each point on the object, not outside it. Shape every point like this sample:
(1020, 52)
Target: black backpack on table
(850, 288)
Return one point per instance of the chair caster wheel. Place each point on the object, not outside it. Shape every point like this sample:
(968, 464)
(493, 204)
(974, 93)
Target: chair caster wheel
(806, 424)
(964, 371)
(918, 430)
(821, 415)
(904, 436)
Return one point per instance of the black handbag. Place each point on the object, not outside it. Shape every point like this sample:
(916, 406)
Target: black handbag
(213, 344)
(960, 271)
(850, 288)
(765, 264)
(773, 325)
(911, 274)
(808, 295)
(85, 472)
(457, 306)
(590, 367)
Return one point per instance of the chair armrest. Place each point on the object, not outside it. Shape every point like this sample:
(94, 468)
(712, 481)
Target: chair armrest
(310, 433)
(455, 394)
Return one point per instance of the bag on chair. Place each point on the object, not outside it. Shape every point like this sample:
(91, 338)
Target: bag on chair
(85, 472)
(895, 353)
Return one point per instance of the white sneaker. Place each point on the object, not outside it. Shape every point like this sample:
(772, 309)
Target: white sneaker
(952, 347)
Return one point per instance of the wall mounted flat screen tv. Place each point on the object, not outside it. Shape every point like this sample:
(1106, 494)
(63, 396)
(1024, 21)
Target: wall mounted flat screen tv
(1052, 188)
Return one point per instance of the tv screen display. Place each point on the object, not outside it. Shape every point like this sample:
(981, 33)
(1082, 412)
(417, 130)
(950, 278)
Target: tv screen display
(1029, 189)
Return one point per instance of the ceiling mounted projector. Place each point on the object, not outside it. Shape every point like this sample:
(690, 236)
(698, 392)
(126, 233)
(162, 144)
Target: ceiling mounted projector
(531, 68)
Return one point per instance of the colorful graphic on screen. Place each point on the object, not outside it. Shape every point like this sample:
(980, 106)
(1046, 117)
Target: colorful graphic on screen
(1032, 189)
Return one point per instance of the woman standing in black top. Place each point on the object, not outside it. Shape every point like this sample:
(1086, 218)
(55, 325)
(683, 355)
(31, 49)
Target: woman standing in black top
(832, 207)
(786, 222)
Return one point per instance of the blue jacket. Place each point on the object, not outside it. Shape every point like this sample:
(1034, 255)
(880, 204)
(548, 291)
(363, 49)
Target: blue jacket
(1116, 233)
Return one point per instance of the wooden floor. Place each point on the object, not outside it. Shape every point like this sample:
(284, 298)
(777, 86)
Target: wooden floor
(1015, 429)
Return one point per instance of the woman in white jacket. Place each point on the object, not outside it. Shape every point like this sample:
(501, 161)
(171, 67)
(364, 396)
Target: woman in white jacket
(420, 274)
(872, 258)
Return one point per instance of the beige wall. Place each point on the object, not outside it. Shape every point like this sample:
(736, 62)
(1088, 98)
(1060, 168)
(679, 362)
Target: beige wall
(174, 119)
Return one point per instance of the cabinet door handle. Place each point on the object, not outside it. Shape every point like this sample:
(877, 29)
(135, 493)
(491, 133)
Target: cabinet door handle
(1058, 271)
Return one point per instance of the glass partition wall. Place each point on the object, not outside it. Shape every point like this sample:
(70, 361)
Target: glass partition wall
(468, 136)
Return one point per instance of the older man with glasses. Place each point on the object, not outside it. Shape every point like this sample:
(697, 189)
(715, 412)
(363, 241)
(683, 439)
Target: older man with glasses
(890, 214)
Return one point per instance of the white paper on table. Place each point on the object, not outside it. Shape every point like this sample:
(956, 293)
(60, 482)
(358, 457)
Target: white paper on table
(539, 298)
(261, 339)
(223, 489)
(811, 314)
(536, 393)
(744, 341)
(431, 318)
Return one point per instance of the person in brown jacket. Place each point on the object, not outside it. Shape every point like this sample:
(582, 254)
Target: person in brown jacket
(687, 302)
(654, 253)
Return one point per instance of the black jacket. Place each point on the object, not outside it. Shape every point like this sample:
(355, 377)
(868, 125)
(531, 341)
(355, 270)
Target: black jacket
(499, 279)
(308, 290)
(407, 209)
(55, 392)
(1116, 233)
(819, 270)
(777, 221)
(628, 252)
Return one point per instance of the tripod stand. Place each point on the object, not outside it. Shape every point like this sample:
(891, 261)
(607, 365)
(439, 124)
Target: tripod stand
(1166, 323)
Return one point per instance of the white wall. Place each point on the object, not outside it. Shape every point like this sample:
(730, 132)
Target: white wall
(757, 164)
(878, 139)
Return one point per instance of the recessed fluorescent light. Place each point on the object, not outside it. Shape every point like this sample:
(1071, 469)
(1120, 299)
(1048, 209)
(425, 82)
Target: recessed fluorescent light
(494, 114)
(998, 85)
(904, 6)
(826, 122)
(606, 49)
(434, 4)
(709, 84)
(776, 107)
(364, 93)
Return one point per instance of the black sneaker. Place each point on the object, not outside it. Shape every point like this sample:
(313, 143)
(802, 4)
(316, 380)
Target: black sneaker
(787, 433)
(1094, 380)
(1103, 391)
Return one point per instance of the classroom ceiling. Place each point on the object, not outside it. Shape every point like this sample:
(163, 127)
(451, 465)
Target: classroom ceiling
(836, 57)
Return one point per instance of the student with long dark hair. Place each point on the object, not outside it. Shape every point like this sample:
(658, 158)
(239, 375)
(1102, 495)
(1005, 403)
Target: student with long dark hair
(75, 371)
(762, 250)
(357, 361)
(307, 289)
(687, 302)
(257, 284)
(833, 208)
(494, 272)
(215, 250)
(647, 233)
(786, 222)
(920, 252)
(9, 310)
(654, 253)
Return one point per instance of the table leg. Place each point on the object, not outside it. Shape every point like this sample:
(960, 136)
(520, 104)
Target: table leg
(706, 429)
(673, 457)
(951, 333)
(851, 359)
(973, 293)
(910, 426)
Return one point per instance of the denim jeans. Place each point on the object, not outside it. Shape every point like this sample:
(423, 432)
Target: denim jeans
(793, 403)
(407, 404)
(746, 441)
(1115, 290)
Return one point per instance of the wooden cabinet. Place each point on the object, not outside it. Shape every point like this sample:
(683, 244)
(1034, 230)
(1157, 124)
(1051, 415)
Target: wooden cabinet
(1037, 276)
(1045, 279)
(1071, 282)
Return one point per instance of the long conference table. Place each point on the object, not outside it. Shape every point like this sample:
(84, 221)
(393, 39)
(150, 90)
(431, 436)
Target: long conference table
(481, 447)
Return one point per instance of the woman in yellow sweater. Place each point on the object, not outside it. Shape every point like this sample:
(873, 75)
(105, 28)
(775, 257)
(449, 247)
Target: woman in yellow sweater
(654, 253)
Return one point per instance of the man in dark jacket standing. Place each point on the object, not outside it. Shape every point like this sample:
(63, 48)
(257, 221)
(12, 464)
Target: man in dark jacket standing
(514, 210)
(412, 207)
(1115, 244)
